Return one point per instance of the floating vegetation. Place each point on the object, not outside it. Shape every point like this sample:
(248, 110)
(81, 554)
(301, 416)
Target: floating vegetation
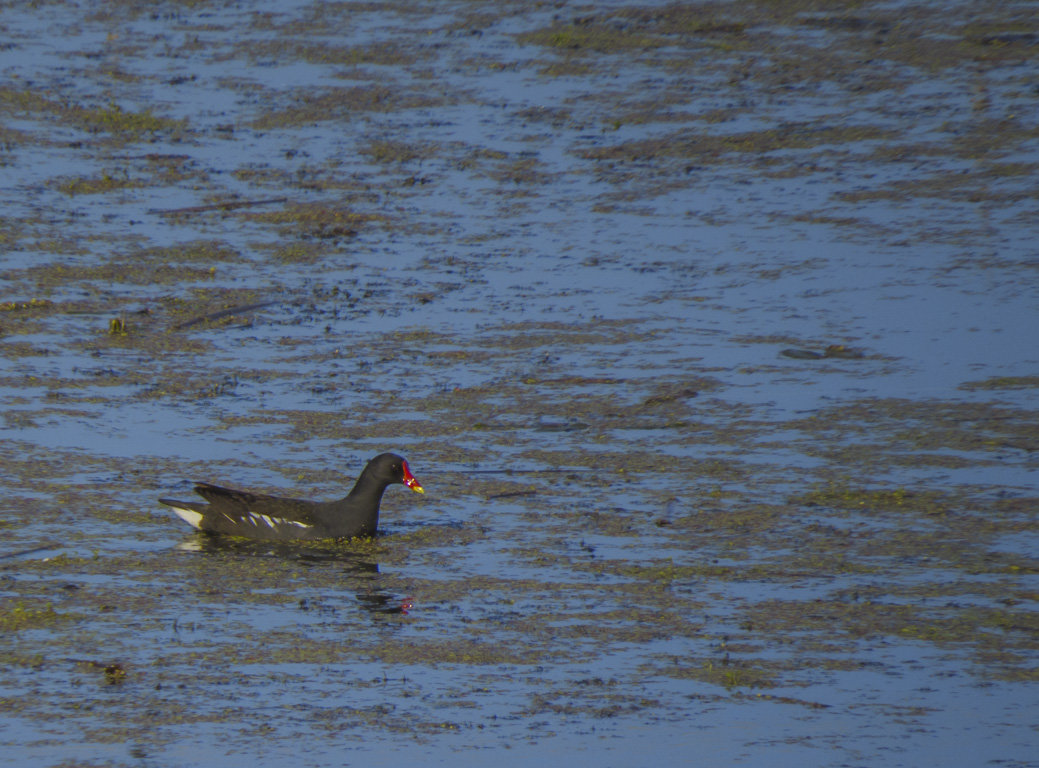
(344, 104)
(323, 222)
(842, 497)
(111, 118)
(18, 306)
(106, 182)
(705, 325)
(18, 615)
(1002, 382)
(833, 350)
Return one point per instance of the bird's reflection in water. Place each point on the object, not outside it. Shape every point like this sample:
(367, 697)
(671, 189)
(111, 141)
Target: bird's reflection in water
(361, 566)
(380, 602)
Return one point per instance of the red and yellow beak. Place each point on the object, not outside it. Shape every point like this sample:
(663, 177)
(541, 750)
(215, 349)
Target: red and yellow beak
(411, 481)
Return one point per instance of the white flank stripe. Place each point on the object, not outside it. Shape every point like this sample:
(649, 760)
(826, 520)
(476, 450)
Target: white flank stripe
(194, 519)
(273, 522)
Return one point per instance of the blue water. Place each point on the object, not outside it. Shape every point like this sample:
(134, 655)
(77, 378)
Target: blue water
(526, 280)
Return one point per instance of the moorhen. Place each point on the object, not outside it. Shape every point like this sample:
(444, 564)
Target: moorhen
(256, 516)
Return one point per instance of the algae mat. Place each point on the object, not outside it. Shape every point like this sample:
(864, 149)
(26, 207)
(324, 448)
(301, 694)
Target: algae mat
(708, 328)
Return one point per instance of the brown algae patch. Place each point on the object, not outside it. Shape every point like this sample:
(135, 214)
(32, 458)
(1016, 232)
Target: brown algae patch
(111, 118)
(1002, 382)
(978, 630)
(704, 147)
(343, 104)
(285, 48)
(19, 615)
(92, 185)
(320, 221)
(129, 271)
(635, 30)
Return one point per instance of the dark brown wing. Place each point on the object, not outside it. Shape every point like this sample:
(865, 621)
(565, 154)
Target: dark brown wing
(232, 503)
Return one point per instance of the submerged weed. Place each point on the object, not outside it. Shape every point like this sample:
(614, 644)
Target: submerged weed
(19, 615)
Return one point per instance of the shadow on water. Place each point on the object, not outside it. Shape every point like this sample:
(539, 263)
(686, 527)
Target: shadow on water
(356, 570)
(345, 554)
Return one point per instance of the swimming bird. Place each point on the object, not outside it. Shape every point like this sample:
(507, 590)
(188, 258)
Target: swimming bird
(272, 518)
